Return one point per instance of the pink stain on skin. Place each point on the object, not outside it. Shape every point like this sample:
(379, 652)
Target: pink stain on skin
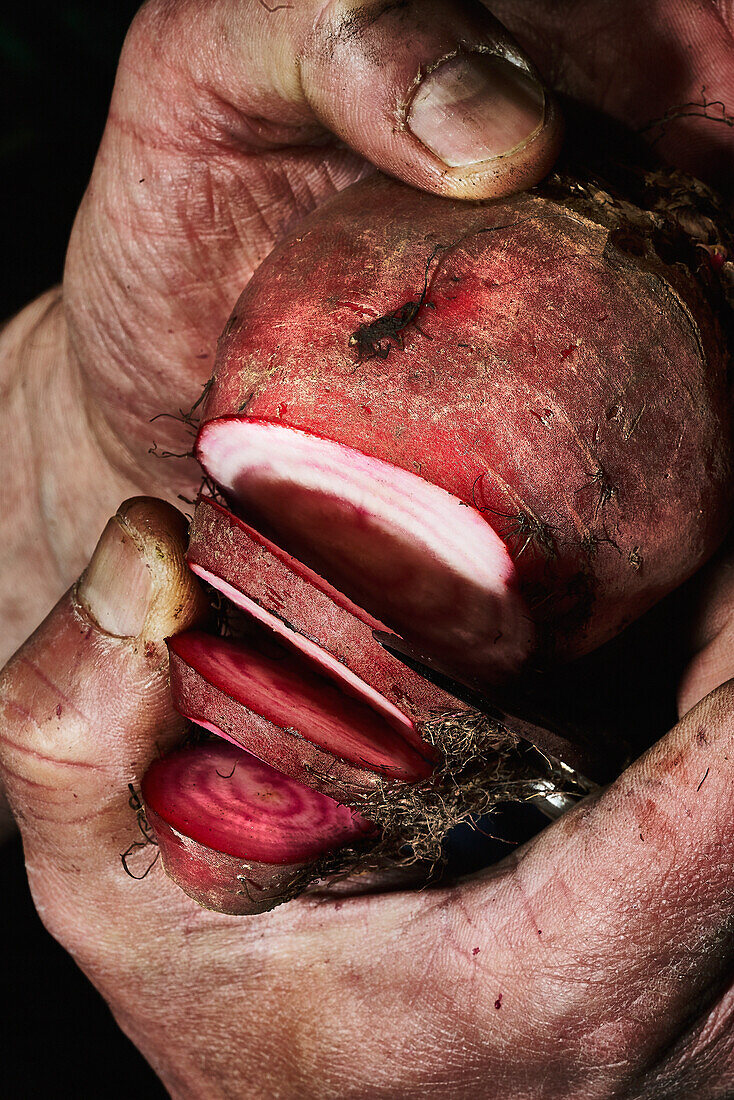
(17, 708)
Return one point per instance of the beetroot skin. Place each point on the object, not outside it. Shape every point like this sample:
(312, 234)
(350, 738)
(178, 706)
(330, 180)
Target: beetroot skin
(561, 377)
(499, 430)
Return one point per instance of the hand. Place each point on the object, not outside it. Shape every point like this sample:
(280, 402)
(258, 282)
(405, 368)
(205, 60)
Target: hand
(595, 961)
(212, 152)
(611, 56)
(231, 121)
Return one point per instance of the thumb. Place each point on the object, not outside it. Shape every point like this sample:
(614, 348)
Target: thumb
(84, 704)
(435, 92)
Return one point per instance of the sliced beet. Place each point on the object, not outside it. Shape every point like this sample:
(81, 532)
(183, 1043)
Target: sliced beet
(235, 833)
(311, 616)
(280, 710)
(419, 559)
(326, 709)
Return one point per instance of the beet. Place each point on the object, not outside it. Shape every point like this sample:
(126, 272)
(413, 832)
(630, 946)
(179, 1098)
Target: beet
(282, 711)
(497, 432)
(235, 833)
(565, 382)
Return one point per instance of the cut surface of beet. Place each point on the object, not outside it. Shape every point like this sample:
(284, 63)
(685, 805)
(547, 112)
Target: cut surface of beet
(405, 550)
(225, 799)
(310, 616)
(294, 701)
(310, 650)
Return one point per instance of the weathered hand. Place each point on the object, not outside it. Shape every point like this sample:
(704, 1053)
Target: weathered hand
(229, 122)
(606, 943)
(593, 962)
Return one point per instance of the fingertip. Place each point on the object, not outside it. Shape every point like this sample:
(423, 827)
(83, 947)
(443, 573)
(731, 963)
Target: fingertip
(153, 518)
(178, 601)
(437, 95)
(138, 584)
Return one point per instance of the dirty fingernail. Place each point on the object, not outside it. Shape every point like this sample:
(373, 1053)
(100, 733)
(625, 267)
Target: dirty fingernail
(474, 107)
(116, 588)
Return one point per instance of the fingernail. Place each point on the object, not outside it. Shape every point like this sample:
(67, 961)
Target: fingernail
(475, 107)
(116, 587)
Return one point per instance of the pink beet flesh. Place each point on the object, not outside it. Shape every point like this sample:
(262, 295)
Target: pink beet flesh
(308, 614)
(408, 552)
(221, 796)
(277, 707)
(233, 832)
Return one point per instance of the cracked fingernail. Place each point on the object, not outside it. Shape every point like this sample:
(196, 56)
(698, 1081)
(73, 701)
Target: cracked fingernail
(474, 107)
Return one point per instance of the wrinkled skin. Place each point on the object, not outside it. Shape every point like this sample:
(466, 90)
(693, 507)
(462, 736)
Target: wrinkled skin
(593, 962)
(611, 953)
(232, 154)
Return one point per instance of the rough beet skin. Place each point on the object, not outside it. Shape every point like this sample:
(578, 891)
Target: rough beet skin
(565, 376)
(500, 430)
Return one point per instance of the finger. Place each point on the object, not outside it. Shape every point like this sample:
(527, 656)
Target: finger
(432, 91)
(438, 95)
(84, 704)
(623, 908)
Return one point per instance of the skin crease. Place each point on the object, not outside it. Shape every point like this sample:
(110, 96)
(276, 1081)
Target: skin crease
(606, 943)
(606, 974)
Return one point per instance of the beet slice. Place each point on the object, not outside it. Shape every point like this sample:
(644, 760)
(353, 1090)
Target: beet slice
(309, 615)
(283, 712)
(421, 560)
(235, 833)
